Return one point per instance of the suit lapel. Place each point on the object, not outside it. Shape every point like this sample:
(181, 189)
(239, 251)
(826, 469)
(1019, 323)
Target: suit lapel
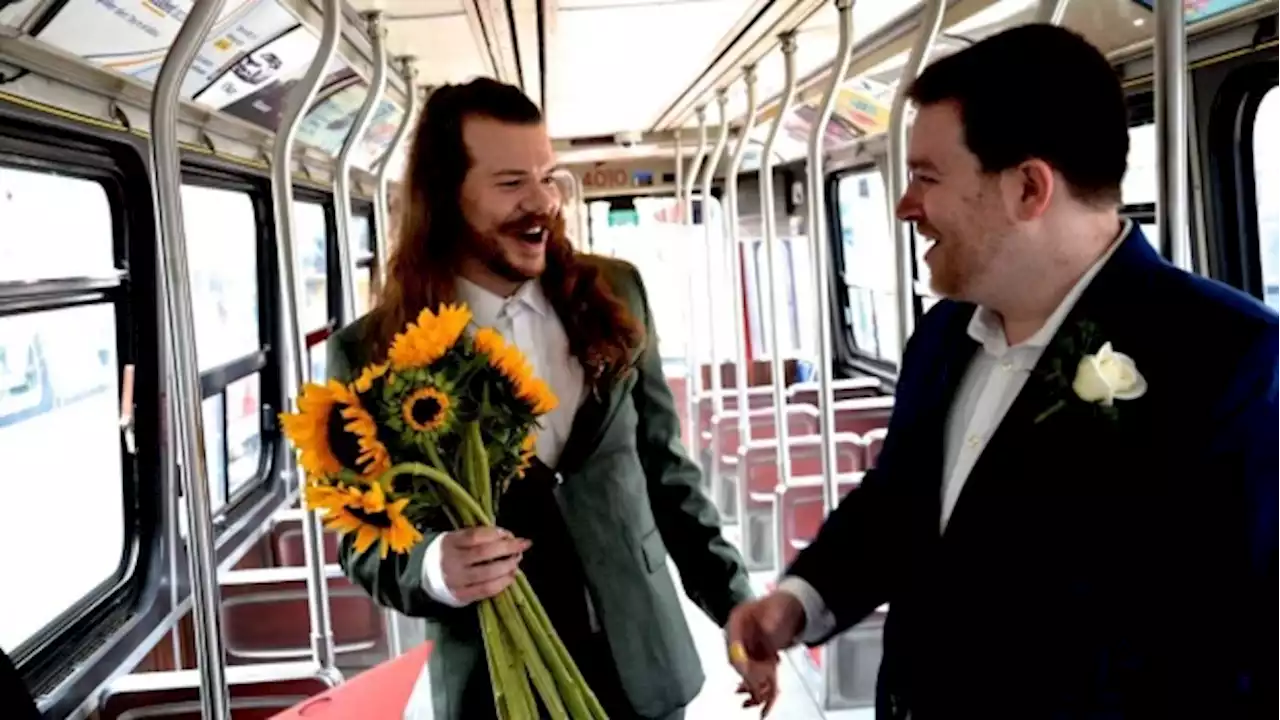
(588, 427)
(1046, 413)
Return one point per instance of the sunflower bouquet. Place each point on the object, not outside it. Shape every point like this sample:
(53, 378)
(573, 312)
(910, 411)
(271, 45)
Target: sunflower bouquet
(432, 438)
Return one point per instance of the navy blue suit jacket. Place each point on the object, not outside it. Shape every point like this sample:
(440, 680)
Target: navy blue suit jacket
(1096, 565)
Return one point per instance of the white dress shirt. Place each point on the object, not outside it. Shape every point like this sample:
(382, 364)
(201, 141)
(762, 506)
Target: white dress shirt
(990, 384)
(526, 320)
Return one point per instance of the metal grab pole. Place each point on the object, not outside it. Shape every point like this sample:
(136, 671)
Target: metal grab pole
(1171, 125)
(713, 268)
(695, 364)
(342, 171)
(181, 346)
(822, 254)
(774, 295)
(1051, 11)
(300, 98)
(742, 363)
(930, 23)
(382, 202)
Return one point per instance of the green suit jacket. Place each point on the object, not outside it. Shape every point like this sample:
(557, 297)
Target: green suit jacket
(630, 495)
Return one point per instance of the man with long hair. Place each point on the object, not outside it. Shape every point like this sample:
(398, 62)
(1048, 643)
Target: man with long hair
(612, 490)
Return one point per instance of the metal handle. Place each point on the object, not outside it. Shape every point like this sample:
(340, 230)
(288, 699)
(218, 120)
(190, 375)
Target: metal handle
(694, 389)
(742, 362)
(770, 234)
(382, 201)
(180, 344)
(930, 24)
(342, 169)
(294, 341)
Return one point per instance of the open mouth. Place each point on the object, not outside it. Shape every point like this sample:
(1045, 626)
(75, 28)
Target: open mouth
(532, 236)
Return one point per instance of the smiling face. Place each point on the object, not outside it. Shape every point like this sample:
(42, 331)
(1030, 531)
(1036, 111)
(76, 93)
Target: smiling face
(955, 205)
(509, 198)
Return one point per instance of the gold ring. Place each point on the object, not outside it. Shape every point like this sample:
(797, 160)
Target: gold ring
(737, 653)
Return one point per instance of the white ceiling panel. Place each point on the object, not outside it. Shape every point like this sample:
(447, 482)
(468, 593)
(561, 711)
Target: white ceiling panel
(616, 64)
(437, 32)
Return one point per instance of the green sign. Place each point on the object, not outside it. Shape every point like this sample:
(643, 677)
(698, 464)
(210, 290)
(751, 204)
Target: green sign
(623, 218)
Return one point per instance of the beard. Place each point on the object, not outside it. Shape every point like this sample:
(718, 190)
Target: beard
(488, 247)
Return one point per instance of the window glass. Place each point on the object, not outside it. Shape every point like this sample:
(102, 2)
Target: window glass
(312, 258)
(221, 230)
(361, 236)
(34, 205)
(364, 290)
(1266, 176)
(1141, 181)
(870, 269)
(59, 379)
(215, 457)
(244, 431)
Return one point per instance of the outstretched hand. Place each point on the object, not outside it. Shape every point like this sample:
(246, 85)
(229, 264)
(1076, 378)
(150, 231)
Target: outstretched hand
(757, 632)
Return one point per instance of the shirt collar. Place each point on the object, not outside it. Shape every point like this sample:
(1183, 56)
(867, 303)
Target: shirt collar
(987, 328)
(487, 307)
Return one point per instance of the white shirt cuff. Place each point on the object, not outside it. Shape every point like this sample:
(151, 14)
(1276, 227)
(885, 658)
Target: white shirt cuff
(433, 575)
(818, 620)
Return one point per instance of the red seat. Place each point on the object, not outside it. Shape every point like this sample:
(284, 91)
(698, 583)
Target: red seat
(875, 441)
(764, 497)
(257, 692)
(863, 415)
(725, 441)
(287, 543)
(265, 617)
(801, 511)
(806, 393)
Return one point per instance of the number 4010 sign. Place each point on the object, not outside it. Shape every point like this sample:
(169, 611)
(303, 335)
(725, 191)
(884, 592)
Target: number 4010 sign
(606, 178)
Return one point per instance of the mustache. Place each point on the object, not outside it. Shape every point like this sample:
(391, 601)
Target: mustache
(527, 222)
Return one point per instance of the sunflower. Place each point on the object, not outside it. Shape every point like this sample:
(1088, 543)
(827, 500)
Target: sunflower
(527, 450)
(321, 496)
(364, 383)
(508, 360)
(427, 340)
(308, 428)
(373, 519)
(426, 409)
(373, 459)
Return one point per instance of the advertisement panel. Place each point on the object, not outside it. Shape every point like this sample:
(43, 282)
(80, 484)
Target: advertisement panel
(133, 36)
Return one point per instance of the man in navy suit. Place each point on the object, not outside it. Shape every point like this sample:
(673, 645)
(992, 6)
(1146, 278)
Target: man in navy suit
(1074, 513)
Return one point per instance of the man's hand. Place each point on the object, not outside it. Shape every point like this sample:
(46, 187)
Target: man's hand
(757, 632)
(480, 562)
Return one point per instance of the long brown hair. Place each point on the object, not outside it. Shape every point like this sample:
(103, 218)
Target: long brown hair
(421, 270)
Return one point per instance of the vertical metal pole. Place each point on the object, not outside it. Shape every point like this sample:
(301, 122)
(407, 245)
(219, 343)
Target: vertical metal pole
(742, 362)
(694, 359)
(1051, 11)
(774, 284)
(714, 266)
(822, 252)
(299, 99)
(1171, 126)
(342, 169)
(584, 212)
(930, 23)
(382, 202)
(181, 339)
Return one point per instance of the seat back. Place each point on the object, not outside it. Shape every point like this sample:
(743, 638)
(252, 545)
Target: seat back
(257, 692)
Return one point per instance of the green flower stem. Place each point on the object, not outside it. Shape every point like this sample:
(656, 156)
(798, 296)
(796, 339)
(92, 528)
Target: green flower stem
(441, 478)
(481, 484)
(543, 678)
(495, 656)
(537, 617)
(519, 691)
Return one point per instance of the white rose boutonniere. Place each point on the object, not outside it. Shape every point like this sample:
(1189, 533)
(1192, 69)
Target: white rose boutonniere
(1107, 376)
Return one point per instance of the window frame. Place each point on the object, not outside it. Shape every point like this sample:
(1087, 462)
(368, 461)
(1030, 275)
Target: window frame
(848, 356)
(265, 360)
(29, 141)
(1228, 95)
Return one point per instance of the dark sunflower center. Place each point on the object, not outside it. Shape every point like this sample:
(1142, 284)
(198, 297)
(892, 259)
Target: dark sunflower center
(344, 445)
(379, 519)
(425, 410)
